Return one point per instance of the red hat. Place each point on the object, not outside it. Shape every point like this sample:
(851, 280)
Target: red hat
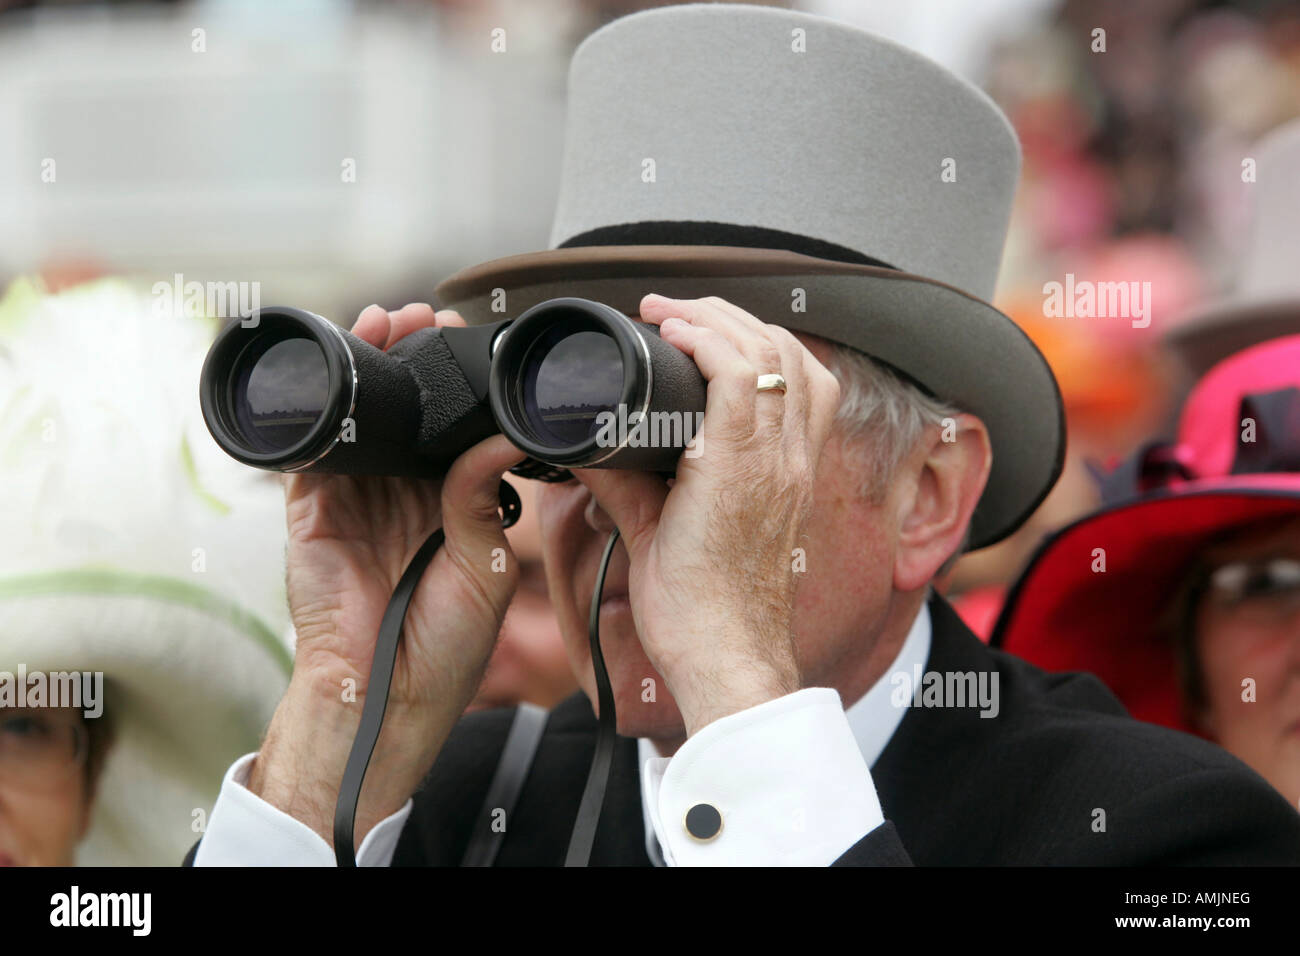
(1093, 595)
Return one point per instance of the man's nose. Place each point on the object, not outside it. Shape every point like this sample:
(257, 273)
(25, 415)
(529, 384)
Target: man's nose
(596, 517)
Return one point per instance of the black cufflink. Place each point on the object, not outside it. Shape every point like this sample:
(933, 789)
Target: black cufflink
(703, 822)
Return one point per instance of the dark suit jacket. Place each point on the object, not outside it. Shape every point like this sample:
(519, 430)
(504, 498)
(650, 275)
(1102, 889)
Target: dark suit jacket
(956, 788)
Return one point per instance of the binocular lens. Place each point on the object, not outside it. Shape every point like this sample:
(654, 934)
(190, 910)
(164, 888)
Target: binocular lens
(287, 390)
(279, 393)
(569, 378)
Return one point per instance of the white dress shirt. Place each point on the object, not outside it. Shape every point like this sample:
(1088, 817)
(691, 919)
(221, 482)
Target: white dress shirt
(808, 802)
(790, 778)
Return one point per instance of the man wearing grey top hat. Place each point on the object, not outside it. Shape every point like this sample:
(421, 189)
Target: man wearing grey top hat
(816, 215)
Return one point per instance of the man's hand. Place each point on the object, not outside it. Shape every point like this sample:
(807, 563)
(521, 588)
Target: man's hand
(711, 577)
(350, 538)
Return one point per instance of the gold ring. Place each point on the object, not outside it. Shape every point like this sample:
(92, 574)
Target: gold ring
(773, 382)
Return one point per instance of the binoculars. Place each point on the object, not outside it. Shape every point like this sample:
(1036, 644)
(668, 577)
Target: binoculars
(571, 382)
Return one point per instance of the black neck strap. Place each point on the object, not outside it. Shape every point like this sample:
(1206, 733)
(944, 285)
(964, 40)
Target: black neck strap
(529, 731)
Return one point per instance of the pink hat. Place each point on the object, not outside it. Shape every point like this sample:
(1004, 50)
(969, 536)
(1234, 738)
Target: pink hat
(1092, 596)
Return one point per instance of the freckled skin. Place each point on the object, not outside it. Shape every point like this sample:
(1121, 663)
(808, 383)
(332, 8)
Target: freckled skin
(725, 628)
(1264, 733)
(529, 662)
(849, 622)
(42, 825)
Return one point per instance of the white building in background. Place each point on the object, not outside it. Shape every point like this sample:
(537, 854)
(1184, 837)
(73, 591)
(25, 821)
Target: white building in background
(334, 155)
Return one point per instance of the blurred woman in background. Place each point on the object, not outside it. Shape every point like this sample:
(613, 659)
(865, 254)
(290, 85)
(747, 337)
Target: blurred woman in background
(50, 763)
(137, 557)
(1183, 592)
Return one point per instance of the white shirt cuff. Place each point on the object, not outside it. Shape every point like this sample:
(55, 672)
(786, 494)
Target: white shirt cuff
(245, 830)
(786, 776)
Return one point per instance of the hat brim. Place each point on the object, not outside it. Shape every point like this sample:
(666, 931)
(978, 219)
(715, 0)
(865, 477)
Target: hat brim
(1209, 336)
(956, 346)
(1061, 615)
(191, 681)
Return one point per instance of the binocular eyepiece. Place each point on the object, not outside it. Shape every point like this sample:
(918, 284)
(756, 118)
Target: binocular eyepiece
(571, 382)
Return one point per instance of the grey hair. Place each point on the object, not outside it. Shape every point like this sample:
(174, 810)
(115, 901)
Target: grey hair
(882, 415)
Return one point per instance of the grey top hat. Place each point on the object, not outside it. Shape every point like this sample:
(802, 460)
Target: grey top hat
(817, 175)
(1265, 302)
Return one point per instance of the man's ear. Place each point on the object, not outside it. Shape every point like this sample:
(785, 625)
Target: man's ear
(951, 465)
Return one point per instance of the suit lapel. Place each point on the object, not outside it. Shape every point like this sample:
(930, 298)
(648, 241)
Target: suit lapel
(914, 776)
(920, 776)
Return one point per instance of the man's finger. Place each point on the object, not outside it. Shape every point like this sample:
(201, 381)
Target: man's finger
(372, 326)
(632, 499)
(409, 318)
(741, 329)
(731, 399)
(450, 317)
(794, 368)
(470, 500)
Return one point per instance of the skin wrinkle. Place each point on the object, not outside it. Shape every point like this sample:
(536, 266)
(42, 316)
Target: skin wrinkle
(745, 624)
(851, 666)
(769, 520)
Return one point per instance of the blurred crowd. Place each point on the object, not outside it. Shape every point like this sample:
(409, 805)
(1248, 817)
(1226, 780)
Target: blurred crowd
(1132, 170)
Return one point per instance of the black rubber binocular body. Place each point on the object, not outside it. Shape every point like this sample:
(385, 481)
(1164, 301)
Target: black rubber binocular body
(572, 383)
